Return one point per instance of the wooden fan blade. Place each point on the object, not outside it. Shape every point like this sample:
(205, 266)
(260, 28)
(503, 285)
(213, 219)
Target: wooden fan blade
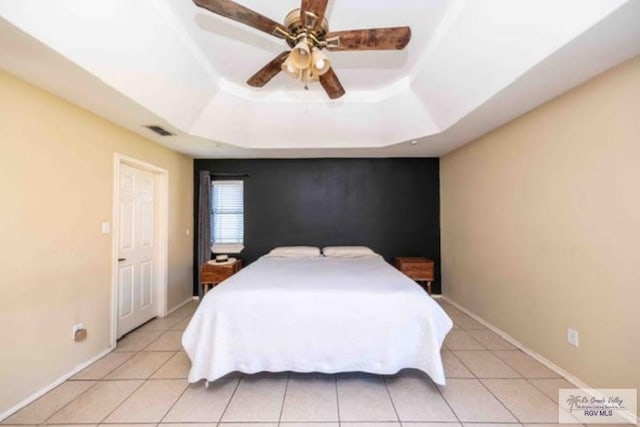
(317, 7)
(331, 84)
(393, 38)
(244, 15)
(269, 71)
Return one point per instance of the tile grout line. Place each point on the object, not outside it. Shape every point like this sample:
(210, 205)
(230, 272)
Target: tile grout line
(173, 404)
(447, 402)
(162, 366)
(233, 393)
(484, 347)
(153, 342)
(527, 380)
(545, 394)
(144, 381)
(557, 377)
(66, 404)
(519, 377)
(465, 366)
(393, 405)
(284, 397)
(139, 328)
(162, 330)
(539, 389)
(133, 353)
(148, 378)
(500, 400)
(490, 392)
(522, 376)
(440, 391)
(124, 400)
(94, 385)
(509, 346)
(143, 347)
(172, 314)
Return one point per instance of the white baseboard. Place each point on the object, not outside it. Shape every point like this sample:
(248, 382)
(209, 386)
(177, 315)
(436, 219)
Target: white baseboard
(549, 364)
(566, 375)
(183, 303)
(15, 408)
(6, 413)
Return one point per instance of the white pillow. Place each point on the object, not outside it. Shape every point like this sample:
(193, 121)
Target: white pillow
(347, 251)
(294, 252)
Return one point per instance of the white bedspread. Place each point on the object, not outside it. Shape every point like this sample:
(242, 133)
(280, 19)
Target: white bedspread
(316, 315)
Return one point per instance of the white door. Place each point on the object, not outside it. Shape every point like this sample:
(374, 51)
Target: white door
(136, 284)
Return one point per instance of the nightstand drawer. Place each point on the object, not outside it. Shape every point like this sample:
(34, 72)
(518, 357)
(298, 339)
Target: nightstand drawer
(426, 275)
(212, 274)
(422, 266)
(417, 268)
(216, 276)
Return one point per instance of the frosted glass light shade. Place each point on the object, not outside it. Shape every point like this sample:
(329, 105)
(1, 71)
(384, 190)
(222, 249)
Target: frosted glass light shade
(320, 62)
(301, 55)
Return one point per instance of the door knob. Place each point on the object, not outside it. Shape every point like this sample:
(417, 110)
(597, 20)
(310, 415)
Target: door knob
(121, 259)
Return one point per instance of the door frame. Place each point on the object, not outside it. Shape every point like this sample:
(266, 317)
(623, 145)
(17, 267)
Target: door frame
(161, 236)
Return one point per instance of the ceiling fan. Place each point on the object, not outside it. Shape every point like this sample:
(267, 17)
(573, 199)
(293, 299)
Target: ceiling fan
(306, 31)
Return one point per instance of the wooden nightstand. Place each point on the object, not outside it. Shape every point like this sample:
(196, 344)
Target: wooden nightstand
(212, 274)
(418, 268)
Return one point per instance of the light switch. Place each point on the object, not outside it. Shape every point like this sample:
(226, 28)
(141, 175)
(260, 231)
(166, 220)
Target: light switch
(106, 227)
(188, 231)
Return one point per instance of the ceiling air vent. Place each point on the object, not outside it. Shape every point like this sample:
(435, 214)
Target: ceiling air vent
(159, 130)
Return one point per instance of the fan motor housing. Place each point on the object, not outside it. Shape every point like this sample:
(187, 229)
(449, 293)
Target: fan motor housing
(293, 22)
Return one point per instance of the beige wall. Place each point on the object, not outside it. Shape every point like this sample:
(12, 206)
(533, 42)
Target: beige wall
(56, 174)
(541, 228)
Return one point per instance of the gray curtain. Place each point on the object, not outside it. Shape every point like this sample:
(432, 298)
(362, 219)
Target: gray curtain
(204, 223)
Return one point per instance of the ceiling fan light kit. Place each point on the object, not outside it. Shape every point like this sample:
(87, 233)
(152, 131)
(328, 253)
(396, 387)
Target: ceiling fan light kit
(301, 54)
(306, 62)
(306, 31)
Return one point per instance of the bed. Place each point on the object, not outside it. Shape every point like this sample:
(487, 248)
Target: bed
(316, 314)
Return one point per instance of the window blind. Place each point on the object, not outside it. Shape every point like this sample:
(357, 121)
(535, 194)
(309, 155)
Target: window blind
(227, 212)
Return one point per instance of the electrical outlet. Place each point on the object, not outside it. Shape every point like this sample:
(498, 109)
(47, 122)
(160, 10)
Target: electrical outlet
(572, 337)
(76, 328)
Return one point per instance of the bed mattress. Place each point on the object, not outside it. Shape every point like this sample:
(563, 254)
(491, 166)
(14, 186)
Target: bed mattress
(316, 315)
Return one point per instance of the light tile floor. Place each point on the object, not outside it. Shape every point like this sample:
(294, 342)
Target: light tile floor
(143, 383)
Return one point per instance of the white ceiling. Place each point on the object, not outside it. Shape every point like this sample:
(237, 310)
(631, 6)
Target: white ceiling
(470, 66)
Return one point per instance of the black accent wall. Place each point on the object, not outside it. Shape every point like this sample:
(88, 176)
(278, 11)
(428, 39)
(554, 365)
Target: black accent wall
(390, 205)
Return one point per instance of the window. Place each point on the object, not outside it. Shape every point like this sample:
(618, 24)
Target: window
(227, 212)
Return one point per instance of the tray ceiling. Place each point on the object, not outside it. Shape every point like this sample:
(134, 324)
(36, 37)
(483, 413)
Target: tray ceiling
(470, 66)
